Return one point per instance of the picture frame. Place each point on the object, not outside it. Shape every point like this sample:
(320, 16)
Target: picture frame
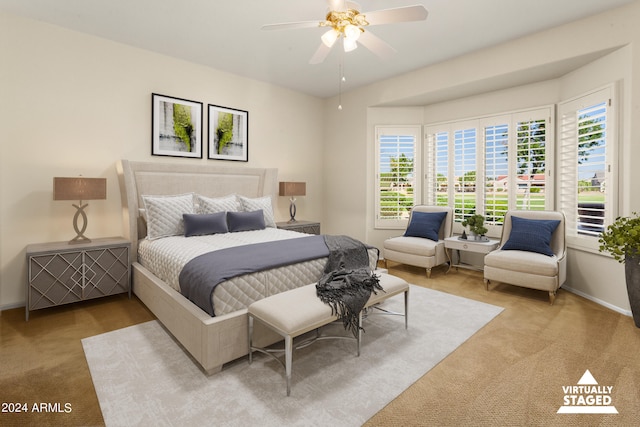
(228, 134)
(176, 127)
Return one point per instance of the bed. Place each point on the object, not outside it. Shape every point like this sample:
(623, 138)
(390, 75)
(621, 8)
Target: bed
(211, 341)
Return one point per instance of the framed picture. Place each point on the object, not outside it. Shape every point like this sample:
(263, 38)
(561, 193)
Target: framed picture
(176, 127)
(228, 134)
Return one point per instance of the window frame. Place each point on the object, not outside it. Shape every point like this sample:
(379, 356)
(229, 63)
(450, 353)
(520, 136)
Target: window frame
(414, 131)
(567, 158)
(511, 119)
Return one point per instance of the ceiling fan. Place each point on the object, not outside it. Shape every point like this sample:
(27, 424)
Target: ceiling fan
(344, 20)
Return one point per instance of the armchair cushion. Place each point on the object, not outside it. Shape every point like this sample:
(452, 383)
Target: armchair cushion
(531, 235)
(411, 245)
(522, 262)
(425, 224)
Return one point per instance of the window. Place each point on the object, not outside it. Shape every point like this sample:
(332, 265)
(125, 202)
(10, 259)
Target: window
(396, 185)
(587, 160)
(496, 190)
(490, 165)
(464, 166)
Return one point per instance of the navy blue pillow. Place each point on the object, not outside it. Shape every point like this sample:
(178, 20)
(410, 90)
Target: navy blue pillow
(245, 221)
(531, 235)
(425, 224)
(198, 225)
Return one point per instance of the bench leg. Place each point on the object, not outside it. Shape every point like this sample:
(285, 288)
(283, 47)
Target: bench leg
(406, 309)
(250, 330)
(288, 356)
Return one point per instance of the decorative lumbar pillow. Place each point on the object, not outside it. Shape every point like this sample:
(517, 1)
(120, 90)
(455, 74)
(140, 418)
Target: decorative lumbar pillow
(263, 203)
(531, 235)
(203, 224)
(208, 205)
(164, 214)
(245, 221)
(425, 224)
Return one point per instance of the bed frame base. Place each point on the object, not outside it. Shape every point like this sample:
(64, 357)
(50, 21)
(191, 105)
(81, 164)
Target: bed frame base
(211, 341)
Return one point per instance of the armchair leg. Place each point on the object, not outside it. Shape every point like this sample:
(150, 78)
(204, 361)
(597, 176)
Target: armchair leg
(552, 297)
(486, 284)
(428, 273)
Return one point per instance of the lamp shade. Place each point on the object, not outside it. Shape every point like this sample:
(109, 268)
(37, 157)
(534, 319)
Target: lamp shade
(79, 188)
(293, 188)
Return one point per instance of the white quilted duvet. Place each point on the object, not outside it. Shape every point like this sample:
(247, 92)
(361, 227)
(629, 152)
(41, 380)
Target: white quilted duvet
(165, 258)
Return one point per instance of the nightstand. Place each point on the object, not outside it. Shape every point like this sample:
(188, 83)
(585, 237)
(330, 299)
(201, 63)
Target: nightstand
(309, 227)
(61, 273)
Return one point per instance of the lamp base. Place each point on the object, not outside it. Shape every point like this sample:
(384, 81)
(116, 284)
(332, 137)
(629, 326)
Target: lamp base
(80, 237)
(292, 210)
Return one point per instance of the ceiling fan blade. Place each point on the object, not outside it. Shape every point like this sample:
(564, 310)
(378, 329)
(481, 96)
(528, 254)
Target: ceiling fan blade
(320, 54)
(291, 25)
(376, 45)
(398, 14)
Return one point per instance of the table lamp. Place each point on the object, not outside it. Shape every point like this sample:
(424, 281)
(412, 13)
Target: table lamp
(79, 188)
(293, 189)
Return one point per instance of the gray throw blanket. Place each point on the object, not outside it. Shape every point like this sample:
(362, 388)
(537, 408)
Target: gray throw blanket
(348, 281)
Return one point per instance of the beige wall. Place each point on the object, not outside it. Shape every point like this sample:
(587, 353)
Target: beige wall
(74, 104)
(449, 83)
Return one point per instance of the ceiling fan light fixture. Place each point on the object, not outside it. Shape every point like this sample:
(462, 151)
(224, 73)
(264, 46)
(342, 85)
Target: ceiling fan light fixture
(329, 38)
(349, 44)
(352, 32)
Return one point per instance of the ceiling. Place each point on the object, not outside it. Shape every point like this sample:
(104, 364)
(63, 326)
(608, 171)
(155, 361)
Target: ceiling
(227, 35)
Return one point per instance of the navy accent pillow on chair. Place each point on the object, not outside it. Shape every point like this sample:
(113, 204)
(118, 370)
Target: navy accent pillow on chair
(425, 224)
(202, 224)
(531, 235)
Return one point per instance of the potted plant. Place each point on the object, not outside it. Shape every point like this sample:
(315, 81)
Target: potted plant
(622, 240)
(476, 225)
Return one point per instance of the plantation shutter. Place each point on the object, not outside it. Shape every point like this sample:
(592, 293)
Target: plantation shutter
(490, 165)
(496, 172)
(437, 172)
(465, 169)
(588, 184)
(396, 184)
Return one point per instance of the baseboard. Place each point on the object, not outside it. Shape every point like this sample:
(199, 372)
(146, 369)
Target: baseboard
(11, 306)
(598, 301)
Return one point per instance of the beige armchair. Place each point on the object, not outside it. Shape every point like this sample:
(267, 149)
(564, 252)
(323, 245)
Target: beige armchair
(520, 261)
(414, 247)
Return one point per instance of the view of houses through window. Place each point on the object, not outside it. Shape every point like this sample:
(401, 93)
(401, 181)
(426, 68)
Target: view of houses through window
(490, 165)
(493, 164)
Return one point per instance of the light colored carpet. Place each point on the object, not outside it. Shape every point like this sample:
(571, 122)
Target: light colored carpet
(143, 377)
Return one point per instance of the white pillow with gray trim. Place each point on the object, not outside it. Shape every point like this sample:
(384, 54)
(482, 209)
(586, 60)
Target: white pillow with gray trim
(248, 204)
(164, 214)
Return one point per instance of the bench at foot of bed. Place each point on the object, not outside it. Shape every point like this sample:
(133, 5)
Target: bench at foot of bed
(298, 311)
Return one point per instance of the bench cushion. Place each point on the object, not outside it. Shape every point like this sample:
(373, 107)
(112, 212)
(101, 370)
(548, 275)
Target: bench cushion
(293, 312)
(299, 310)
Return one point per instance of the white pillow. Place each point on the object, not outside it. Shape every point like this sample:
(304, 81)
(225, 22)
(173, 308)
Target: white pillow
(248, 204)
(208, 205)
(164, 214)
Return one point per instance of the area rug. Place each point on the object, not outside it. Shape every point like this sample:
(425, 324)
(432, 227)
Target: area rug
(143, 377)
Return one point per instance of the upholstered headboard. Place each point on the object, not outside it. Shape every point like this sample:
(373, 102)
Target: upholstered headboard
(147, 178)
